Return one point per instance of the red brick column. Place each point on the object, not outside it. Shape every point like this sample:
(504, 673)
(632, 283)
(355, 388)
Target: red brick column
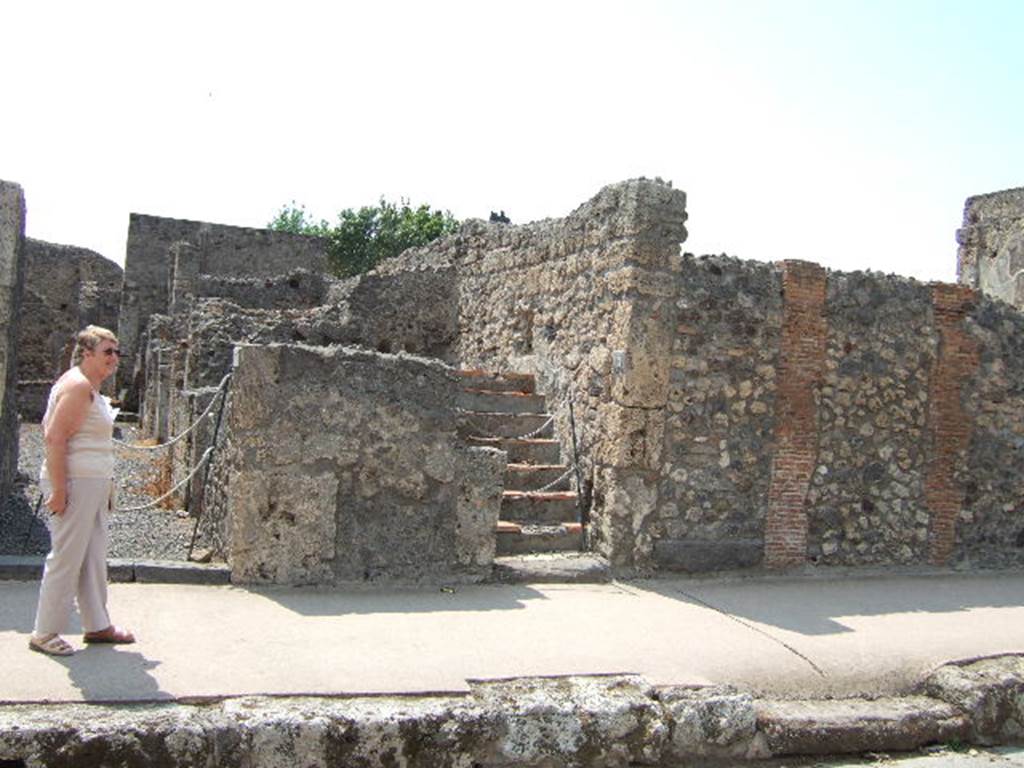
(949, 425)
(802, 361)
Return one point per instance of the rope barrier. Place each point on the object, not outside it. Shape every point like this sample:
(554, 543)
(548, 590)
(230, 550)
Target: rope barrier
(556, 481)
(487, 433)
(196, 423)
(202, 460)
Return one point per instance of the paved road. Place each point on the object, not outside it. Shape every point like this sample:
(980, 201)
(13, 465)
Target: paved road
(800, 636)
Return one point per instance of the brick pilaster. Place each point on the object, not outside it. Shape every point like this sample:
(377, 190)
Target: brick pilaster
(801, 364)
(949, 425)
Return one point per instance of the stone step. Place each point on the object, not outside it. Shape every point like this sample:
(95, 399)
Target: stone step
(518, 425)
(533, 451)
(516, 539)
(505, 382)
(495, 401)
(552, 568)
(533, 477)
(539, 508)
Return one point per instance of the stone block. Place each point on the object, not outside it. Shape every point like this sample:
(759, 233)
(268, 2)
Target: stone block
(479, 504)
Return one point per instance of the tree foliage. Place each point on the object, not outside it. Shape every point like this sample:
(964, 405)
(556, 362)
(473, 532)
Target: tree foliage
(363, 238)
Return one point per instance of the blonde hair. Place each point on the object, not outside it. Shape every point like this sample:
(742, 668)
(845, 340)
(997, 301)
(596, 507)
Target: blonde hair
(89, 338)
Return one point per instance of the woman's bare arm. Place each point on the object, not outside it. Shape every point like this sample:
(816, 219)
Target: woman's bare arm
(69, 414)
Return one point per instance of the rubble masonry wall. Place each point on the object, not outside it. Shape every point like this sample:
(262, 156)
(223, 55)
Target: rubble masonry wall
(735, 414)
(367, 438)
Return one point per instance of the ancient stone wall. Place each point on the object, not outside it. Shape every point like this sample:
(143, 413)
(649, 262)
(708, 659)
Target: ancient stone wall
(12, 237)
(735, 414)
(990, 525)
(217, 250)
(729, 414)
(581, 302)
(720, 419)
(344, 466)
(866, 502)
(991, 254)
(66, 288)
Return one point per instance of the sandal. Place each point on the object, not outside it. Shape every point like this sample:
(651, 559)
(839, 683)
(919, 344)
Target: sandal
(112, 635)
(51, 645)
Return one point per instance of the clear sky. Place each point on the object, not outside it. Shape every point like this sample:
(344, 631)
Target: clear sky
(846, 132)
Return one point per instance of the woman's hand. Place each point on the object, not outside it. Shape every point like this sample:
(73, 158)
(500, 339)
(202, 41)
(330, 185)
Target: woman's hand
(57, 502)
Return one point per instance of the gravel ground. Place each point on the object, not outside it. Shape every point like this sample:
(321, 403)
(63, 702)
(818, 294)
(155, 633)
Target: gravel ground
(155, 533)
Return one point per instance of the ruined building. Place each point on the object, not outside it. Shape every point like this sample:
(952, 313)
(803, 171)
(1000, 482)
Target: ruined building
(580, 385)
(66, 288)
(991, 255)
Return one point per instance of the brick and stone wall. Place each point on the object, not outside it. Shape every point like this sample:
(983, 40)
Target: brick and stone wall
(217, 250)
(343, 465)
(735, 414)
(12, 237)
(66, 289)
(991, 254)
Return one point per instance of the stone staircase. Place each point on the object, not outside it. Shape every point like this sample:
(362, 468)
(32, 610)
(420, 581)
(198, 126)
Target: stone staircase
(504, 411)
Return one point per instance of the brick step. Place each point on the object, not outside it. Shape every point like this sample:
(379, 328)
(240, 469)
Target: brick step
(539, 508)
(505, 382)
(552, 568)
(534, 451)
(516, 539)
(531, 477)
(495, 401)
(471, 424)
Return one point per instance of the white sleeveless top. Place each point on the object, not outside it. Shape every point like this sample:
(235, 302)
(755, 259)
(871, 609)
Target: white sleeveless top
(91, 448)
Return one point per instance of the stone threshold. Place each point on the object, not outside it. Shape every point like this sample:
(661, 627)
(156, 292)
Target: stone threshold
(30, 568)
(613, 720)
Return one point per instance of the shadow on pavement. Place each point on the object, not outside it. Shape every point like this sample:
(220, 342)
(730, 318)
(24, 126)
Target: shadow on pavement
(105, 673)
(377, 599)
(814, 606)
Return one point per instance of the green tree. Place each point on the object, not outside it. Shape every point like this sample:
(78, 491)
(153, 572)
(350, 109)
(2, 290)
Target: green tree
(294, 218)
(363, 238)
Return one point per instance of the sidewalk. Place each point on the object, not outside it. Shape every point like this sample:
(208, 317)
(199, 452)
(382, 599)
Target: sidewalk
(806, 637)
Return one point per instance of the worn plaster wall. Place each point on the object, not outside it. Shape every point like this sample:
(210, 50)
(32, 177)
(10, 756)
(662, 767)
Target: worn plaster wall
(217, 250)
(66, 288)
(344, 466)
(12, 236)
(991, 253)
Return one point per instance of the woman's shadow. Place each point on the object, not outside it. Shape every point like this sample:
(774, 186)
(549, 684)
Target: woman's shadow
(106, 673)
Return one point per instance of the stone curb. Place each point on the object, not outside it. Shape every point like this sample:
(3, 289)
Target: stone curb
(610, 721)
(16, 568)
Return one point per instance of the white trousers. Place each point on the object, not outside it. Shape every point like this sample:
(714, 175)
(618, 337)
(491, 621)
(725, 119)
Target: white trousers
(77, 563)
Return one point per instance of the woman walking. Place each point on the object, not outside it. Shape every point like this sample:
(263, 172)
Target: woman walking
(77, 481)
